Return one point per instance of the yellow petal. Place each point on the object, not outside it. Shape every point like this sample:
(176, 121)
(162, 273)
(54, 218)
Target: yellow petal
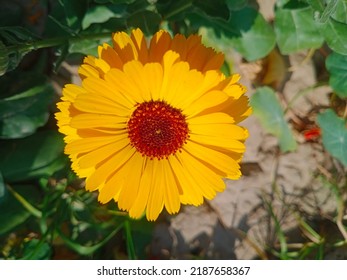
(124, 46)
(213, 158)
(141, 200)
(86, 70)
(140, 44)
(134, 70)
(224, 143)
(207, 180)
(210, 99)
(171, 192)
(225, 131)
(190, 190)
(109, 55)
(108, 167)
(85, 145)
(202, 84)
(239, 109)
(214, 63)
(155, 202)
(94, 157)
(160, 43)
(212, 118)
(124, 85)
(100, 87)
(92, 103)
(129, 192)
(98, 120)
(153, 76)
(70, 91)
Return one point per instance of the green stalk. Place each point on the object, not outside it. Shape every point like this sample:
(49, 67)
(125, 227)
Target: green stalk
(129, 240)
(31, 209)
(53, 42)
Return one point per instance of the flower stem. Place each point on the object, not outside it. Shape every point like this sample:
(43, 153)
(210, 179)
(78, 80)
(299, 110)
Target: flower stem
(53, 42)
(129, 240)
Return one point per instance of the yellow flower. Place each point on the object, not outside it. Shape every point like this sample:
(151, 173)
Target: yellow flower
(154, 126)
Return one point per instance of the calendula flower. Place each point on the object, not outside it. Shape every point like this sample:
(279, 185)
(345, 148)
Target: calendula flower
(155, 125)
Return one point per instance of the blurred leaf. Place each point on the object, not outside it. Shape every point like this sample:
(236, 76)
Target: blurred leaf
(86, 47)
(25, 203)
(213, 8)
(337, 67)
(56, 22)
(172, 10)
(35, 249)
(296, 30)
(38, 155)
(13, 37)
(236, 4)
(323, 11)
(340, 13)
(270, 113)
(102, 13)
(12, 211)
(257, 36)
(11, 13)
(74, 10)
(141, 5)
(23, 113)
(220, 27)
(147, 21)
(246, 30)
(115, 1)
(334, 133)
(2, 188)
(4, 59)
(334, 33)
(142, 235)
(332, 23)
(87, 250)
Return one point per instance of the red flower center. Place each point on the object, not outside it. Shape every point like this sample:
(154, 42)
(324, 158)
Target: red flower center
(156, 129)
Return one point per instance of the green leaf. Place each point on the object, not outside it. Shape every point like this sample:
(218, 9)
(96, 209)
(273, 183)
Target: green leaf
(35, 249)
(12, 211)
(22, 113)
(234, 5)
(296, 30)
(4, 59)
(340, 13)
(13, 36)
(38, 155)
(246, 29)
(334, 33)
(74, 10)
(174, 10)
(87, 250)
(213, 8)
(334, 134)
(115, 1)
(337, 67)
(268, 110)
(86, 47)
(147, 21)
(332, 22)
(323, 14)
(257, 36)
(102, 13)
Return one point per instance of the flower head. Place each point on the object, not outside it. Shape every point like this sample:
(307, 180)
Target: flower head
(155, 125)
